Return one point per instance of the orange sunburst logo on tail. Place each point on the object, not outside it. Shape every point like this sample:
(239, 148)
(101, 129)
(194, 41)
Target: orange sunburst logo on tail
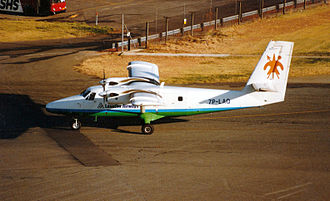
(273, 64)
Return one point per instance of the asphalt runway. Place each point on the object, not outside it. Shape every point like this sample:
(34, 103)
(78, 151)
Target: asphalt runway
(279, 152)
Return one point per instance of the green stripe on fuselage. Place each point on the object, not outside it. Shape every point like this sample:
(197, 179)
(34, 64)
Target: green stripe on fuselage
(168, 113)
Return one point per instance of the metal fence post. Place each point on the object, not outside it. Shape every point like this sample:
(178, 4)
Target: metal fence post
(116, 45)
(184, 17)
(261, 7)
(192, 23)
(304, 4)
(97, 19)
(216, 18)
(220, 16)
(284, 2)
(240, 12)
(139, 41)
(38, 7)
(147, 33)
(122, 32)
(166, 29)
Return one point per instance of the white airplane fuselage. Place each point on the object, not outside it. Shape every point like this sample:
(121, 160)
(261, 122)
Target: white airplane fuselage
(176, 101)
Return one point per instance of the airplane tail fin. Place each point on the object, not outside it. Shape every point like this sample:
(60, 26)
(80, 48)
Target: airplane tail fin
(272, 70)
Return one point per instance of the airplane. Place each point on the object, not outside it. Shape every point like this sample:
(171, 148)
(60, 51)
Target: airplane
(142, 95)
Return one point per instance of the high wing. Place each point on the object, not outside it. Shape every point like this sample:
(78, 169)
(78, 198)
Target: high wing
(144, 70)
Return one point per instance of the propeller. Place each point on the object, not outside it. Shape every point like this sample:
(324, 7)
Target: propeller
(103, 86)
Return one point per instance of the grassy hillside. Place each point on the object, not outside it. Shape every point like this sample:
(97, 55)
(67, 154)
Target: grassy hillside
(309, 29)
(27, 30)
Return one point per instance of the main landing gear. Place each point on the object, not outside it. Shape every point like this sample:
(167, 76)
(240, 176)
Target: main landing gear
(75, 124)
(147, 129)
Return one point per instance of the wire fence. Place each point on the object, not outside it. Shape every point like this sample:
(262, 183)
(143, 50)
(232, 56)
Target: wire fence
(212, 18)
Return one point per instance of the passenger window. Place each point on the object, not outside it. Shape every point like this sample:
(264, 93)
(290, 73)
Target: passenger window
(180, 98)
(113, 94)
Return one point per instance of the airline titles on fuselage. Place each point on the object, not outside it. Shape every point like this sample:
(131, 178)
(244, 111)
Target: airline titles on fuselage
(101, 106)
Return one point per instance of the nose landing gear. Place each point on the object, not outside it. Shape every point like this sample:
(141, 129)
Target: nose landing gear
(75, 124)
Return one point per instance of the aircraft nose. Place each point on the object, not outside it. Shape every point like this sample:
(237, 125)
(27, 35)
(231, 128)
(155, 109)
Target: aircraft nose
(50, 107)
(63, 105)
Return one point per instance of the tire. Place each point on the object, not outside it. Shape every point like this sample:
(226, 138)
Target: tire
(75, 125)
(147, 129)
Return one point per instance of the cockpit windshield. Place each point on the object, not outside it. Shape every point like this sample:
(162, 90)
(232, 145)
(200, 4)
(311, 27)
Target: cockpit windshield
(85, 93)
(91, 97)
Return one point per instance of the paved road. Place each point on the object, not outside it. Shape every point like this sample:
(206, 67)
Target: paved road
(280, 152)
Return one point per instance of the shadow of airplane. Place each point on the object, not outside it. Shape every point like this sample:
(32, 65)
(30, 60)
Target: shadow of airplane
(18, 113)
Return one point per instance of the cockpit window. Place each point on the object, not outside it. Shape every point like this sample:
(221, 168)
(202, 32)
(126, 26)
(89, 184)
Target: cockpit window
(91, 96)
(85, 93)
(113, 83)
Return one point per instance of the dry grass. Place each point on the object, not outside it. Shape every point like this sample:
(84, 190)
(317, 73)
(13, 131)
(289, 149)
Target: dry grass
(308, 29)
(26, 30)
(175, 70)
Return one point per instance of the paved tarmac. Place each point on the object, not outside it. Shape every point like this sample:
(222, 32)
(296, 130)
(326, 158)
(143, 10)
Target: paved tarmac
(279, 152)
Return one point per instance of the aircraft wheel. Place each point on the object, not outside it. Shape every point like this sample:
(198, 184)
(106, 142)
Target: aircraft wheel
(76, 125)
(147, 129)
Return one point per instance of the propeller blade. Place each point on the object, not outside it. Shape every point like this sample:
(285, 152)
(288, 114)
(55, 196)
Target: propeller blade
(103, 85)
